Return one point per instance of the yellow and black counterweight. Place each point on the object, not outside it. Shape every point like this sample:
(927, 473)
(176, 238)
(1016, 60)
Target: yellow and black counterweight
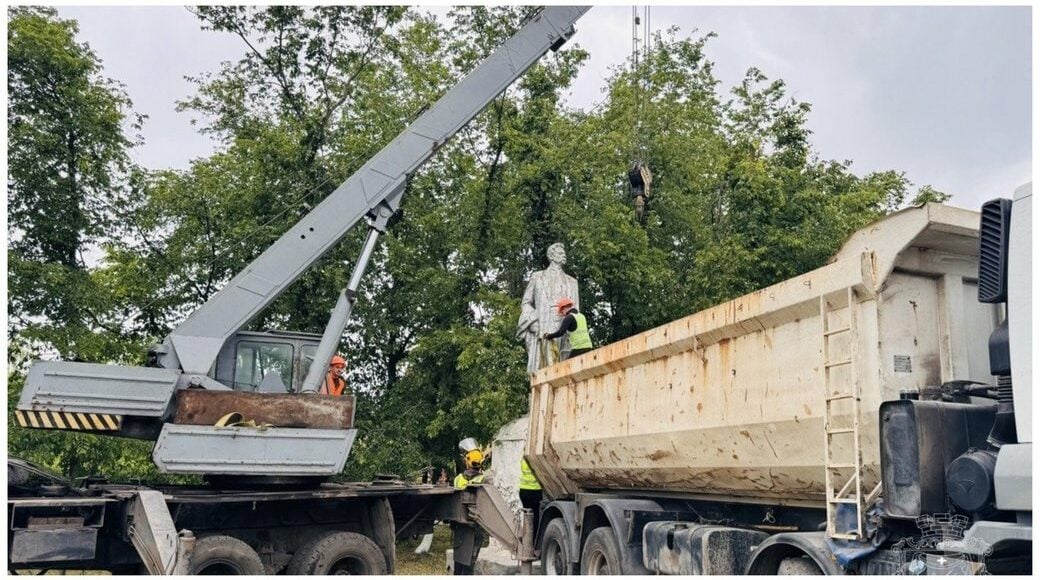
(68, 421)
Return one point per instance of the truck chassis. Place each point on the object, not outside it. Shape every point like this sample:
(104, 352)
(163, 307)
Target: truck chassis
(649, 532)
(102, 526)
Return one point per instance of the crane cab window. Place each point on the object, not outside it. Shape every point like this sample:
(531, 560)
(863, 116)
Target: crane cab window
(256, 360)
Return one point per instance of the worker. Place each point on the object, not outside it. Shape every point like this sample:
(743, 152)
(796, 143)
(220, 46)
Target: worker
(574, 325)
(530, 490)
(468, 539)
(335, 384)
(473, 464)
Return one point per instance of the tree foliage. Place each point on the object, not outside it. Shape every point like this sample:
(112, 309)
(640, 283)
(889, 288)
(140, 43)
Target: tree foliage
(740, 201)
(67, 161)
(69, 131)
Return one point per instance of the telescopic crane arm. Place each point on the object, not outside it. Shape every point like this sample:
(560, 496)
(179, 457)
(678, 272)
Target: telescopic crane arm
(373, 192)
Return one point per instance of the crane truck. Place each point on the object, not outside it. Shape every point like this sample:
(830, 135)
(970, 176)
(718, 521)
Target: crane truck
(267, 506)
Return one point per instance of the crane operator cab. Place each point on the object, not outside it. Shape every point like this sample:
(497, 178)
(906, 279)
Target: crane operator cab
(282, 434)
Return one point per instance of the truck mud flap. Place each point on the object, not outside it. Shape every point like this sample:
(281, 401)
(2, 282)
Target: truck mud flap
(53, 546)
(64, 393)
(252, 451)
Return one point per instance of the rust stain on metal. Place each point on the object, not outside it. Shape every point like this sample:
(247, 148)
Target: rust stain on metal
(201, 407)
(659, 454)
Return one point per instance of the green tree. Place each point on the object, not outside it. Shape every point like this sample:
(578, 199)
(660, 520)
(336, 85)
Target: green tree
(68, 172)
(67, 159)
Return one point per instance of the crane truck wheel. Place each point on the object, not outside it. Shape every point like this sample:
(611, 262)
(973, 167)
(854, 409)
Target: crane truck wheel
(224, 556)
(556, 559)
(338, 553)
(600, 555)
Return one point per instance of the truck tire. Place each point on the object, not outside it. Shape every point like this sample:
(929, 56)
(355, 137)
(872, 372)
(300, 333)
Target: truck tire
(556, 557)
(600, 555)
(224, 556)
(800, 566)
(338, 553)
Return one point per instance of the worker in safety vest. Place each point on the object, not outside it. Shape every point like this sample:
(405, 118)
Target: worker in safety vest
(467, 540)
(574, 325)
(474, 469)
(530, 490)
(335, 384)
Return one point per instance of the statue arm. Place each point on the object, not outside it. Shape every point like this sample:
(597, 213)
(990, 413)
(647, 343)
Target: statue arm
(528, 312)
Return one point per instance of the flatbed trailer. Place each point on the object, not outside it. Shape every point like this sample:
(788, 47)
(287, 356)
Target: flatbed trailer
(330, 528)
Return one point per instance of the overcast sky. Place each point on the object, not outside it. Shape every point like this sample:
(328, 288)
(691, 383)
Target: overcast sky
(943, 93)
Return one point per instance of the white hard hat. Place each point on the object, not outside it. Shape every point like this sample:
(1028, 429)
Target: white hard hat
(468, 444)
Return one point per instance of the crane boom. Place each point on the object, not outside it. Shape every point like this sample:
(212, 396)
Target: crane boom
(374, 191)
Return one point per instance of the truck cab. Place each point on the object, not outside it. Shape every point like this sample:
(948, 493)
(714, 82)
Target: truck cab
(1006, 258)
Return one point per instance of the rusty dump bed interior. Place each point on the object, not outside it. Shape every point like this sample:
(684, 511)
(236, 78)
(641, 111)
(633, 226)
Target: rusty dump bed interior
(729, 402)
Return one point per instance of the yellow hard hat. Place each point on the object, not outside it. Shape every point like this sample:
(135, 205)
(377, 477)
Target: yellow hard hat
(474, 459)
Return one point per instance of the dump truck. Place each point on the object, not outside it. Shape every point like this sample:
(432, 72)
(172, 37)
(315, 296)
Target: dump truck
(872, 416)
(240, 408)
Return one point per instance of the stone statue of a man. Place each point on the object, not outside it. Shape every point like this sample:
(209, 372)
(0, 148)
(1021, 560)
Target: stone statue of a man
(538, 309)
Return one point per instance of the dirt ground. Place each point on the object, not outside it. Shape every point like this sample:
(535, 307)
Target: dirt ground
(428, 564)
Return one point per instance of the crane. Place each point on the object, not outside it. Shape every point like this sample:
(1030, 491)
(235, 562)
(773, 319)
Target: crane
(197, 372)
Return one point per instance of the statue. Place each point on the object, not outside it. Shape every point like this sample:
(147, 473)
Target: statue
(538, 314)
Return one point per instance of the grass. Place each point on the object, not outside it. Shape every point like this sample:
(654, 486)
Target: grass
(429, 564)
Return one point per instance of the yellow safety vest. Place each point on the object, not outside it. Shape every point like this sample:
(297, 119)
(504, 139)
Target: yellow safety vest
(528, 480)
(580, 337)
(461, 482)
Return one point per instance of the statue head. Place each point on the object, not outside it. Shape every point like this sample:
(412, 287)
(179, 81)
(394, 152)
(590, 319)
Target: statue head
(557, 255)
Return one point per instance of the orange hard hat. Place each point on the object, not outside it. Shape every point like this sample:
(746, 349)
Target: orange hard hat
(563, 304)
(338, 361)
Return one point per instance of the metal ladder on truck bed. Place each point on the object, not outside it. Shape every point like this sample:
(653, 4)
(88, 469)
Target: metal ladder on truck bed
(850, 491)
